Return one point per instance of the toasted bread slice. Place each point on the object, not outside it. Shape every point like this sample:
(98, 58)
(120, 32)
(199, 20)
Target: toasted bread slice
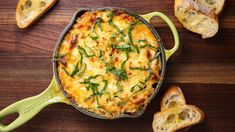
(28, 11)
(196, 17)
(172, 97)
(177, 118)
(217, 5)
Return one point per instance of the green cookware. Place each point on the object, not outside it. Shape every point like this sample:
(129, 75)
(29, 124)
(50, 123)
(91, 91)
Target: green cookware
(29, 107)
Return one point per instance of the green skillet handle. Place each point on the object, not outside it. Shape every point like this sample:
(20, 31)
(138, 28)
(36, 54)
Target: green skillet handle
(149, 16)
(29, 107)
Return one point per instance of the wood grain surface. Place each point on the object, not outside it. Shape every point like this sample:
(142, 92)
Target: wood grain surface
(204, 69)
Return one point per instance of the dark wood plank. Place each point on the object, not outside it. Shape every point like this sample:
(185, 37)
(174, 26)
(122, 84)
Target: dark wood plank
(215, 100)
(205, 69)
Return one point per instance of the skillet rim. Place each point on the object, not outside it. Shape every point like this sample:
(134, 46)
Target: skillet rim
(77, 14)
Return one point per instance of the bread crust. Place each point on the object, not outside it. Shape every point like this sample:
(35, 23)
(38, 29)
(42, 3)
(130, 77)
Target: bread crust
(36, 16)
(201, 10)
(197, 7)
(170, 91)
(185, 126)
(218, 9)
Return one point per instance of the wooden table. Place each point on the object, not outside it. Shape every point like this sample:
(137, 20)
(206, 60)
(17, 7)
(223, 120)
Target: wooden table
(204, 69)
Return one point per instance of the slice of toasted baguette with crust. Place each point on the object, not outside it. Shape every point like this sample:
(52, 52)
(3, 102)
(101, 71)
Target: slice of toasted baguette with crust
(177, 118)
(217, 5)
(28, 11)
(196, 17)
(172, 97)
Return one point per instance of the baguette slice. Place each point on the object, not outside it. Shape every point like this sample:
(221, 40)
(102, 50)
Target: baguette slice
(217, 5)
(172, 97)
(177, 118)
(196, 17)
(28, 11)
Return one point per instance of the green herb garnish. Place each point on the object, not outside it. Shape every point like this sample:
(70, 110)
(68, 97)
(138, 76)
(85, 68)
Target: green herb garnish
(142, 40)
(119, 73)
(137, 49)
(130, 37)
(150, 74)
(76, 68)
(139, 68)
(148, 45)
(93, 37)
(129, 33)
(121, 103)
(101, 57)
(110, 14)
(121, 47)
(56, 57)
(155, 56)
(98, 23)
(111, 23)
(85, 53)
(133, 88)
(82, 70)
(105, 86)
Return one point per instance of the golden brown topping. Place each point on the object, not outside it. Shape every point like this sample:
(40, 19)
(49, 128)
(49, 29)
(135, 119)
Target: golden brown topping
(108, 71)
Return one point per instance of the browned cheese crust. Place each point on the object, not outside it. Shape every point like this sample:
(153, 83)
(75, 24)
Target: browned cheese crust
(108, 63)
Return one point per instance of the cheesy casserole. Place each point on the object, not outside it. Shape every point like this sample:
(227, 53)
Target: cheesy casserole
(109, 62)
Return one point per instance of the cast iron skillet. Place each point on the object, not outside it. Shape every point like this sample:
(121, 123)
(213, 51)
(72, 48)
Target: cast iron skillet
(29, 107)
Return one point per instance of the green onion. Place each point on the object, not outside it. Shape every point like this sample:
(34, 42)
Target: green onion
(84, 51)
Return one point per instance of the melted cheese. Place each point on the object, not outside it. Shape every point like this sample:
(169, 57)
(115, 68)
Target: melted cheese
(100, 33)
